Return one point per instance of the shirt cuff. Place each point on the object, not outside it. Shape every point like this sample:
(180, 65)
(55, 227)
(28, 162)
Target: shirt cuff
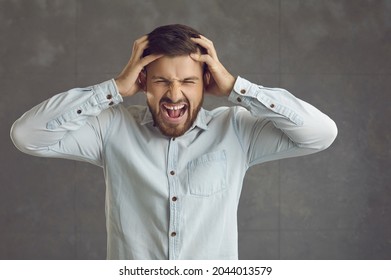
(252, 96)
(107, 93)
(242, 92)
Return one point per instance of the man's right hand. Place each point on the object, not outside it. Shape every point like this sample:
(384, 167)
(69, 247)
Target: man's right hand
(128, 81)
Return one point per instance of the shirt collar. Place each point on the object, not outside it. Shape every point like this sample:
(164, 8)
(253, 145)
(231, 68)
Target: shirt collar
(202, 120)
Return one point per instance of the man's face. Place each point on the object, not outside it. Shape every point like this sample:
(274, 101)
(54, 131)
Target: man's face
(174, 87)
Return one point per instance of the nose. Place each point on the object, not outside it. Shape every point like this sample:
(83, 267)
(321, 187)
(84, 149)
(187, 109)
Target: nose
(175, 92)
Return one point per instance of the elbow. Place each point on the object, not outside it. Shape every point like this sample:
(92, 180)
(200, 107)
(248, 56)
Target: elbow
(320, 136)
(19, 137)
(330, 132)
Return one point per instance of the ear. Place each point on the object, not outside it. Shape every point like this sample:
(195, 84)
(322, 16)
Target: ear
(206, 78)
(142, 79)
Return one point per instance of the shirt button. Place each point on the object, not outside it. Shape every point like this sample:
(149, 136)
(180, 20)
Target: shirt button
(272, 105)
(173, 234)
(239, 99)
(174, 198)
(242, 91)
(111, 103)
(79, 111)
(172, 172)
(109, 96)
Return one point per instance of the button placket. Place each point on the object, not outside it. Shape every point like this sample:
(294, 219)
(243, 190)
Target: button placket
(173, 204)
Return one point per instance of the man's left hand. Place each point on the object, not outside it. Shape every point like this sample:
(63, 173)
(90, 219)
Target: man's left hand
(218, 80)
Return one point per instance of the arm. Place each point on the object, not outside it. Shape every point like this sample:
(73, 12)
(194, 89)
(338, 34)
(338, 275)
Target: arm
(72, 124)
(270, 123)
(274, 124)
(65, 126)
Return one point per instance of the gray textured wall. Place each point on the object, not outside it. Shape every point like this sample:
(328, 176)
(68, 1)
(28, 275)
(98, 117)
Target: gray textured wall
(333, 54)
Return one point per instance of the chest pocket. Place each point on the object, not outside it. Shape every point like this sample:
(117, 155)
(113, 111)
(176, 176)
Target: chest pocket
(207, 174)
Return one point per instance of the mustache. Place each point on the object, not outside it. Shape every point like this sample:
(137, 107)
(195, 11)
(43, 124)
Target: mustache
(169, 100)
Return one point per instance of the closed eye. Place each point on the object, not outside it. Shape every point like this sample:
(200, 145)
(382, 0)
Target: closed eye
(165, 82)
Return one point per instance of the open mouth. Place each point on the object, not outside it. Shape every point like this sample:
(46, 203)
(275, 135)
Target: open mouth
(174, 111)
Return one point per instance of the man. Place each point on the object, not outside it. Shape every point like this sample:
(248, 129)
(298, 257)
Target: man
(173, 170)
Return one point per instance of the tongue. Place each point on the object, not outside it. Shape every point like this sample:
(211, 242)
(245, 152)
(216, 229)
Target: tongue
(174, 113)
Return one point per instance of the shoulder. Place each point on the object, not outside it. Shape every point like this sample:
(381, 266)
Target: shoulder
(137, 112)
(120, 112)
(227, 115)
(226, 112)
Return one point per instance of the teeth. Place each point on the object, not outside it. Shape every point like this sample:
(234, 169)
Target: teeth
(178, 107)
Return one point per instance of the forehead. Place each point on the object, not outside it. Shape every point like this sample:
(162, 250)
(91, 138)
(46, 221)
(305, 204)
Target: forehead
(177, 67)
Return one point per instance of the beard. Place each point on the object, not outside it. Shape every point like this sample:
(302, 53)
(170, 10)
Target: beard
(174, 130)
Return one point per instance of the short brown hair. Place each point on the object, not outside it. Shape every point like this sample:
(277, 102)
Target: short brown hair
(173, 40)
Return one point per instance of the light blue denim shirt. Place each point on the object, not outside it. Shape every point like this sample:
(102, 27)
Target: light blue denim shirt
(172, 198)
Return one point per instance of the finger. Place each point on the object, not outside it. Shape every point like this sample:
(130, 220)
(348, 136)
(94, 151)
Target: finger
(140, 41)
(204, 42)
(213, 65)
(206, 39)
(207, 44)
(139, 48)
(142, 38)
(149, 58)
(203, 38)
(204, 58)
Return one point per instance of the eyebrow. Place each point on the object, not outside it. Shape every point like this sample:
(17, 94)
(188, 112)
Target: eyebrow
(192, 78)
